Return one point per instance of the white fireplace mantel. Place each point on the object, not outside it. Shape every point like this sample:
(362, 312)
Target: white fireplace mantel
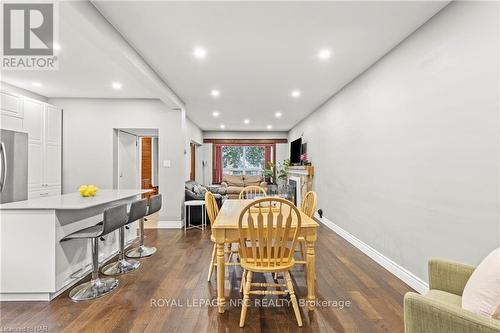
(303, 176)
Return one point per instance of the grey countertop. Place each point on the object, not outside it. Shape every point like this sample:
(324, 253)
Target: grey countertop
(72, 201)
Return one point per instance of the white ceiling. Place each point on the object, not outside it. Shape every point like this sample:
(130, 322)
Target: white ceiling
(88, 64)
(257, 52)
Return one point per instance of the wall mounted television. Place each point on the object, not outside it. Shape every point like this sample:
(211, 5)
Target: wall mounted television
(295, 151)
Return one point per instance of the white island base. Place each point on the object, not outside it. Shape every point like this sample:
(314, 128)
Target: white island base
(34, 264)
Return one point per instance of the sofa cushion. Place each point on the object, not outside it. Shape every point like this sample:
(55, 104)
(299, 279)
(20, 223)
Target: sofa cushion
(482, 291)
(445, 297)
(234, 189)
(253, 180)
(233, 180)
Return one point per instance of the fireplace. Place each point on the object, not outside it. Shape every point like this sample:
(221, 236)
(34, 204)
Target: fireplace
(300, 178)
(294, 183)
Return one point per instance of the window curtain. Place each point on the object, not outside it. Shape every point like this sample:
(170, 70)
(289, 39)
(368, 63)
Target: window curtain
(217, 164)
(217, 167)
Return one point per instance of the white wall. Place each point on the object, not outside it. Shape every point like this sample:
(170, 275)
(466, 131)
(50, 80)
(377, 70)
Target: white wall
(88, 144)
(194, 134)
(407, 155)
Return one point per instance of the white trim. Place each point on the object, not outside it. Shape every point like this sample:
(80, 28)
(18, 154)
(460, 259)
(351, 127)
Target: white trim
(168, 225)
(400, 272)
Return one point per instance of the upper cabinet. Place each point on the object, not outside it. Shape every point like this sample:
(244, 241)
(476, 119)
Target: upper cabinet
(11, 105)
(33, 119)
(53, 125)
(11, 111)
(43, 123)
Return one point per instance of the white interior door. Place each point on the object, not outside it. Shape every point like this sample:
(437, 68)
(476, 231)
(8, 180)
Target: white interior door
(128, 161)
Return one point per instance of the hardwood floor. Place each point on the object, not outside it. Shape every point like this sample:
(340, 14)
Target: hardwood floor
(178, 271)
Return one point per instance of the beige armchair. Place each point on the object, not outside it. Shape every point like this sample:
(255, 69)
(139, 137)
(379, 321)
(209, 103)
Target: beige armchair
(440, 310)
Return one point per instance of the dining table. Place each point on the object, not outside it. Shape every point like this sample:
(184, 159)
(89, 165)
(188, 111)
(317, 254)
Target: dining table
(225, 229)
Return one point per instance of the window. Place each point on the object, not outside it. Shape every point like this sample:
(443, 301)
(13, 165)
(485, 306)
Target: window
(240, 159)
(243, 160)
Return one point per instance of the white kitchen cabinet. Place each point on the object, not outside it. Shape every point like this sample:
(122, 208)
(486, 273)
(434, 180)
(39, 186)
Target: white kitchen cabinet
(43, 124)
(11, 104)
(11, 111)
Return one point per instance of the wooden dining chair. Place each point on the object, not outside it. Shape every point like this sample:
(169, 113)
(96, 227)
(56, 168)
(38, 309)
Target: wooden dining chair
(212, 212)
(308, 207)
(266, 245)
(250, 192)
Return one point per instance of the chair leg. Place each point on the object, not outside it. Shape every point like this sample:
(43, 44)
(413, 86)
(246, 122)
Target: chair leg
(212, 262)
(243, 279)
(97, 286)
(142, 251)
(246, 298)
(295, 305)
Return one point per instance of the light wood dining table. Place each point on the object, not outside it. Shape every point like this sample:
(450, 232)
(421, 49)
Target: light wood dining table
(225, 228)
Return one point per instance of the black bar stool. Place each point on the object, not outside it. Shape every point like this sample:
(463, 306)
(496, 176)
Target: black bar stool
(114, 218)
(146, 251)
(122, 266)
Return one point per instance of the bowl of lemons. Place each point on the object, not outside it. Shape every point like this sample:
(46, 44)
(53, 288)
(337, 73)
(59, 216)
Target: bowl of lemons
(88, 190)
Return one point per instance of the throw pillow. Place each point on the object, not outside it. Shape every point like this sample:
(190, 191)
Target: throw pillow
(482, 292)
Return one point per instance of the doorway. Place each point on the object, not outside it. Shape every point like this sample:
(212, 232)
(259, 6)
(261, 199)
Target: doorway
(192, 174)
(136, 159)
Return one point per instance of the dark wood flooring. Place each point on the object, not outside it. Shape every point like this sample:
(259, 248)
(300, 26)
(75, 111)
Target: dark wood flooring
(178, 272)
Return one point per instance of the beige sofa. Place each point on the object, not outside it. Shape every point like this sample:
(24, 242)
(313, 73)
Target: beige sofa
(440, 310)
(234, 184)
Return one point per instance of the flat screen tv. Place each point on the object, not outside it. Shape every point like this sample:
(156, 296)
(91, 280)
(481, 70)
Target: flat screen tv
(295, 151)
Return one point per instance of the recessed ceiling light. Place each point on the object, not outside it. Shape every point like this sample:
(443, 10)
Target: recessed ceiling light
(324, 54)
(36, 84)
(246, 121)
(222, 126)
(56, 46)
(295, 93)
(269, 126)
(116, 85)
(215, 93)
(278, 114)
(199, 53)
(216, 114)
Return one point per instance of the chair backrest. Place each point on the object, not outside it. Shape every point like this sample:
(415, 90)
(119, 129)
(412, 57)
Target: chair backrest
(154, 204)
(273, 226)
(138, 210)
(211, 206)
(309, 203)
(251, 192)
(114, 218)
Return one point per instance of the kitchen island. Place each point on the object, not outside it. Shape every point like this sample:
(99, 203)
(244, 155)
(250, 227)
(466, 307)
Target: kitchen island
(34, 264)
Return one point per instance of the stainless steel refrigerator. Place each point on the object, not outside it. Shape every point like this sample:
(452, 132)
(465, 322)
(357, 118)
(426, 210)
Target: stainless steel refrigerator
(13, 166)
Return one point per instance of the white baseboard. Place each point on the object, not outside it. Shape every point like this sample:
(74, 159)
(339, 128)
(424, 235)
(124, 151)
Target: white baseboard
(169, 225)
(400, 272)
